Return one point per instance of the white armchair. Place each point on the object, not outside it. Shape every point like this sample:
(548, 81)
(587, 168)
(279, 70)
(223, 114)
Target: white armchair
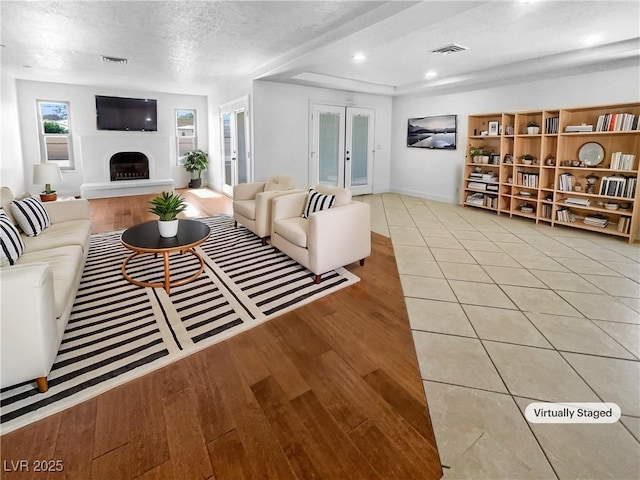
(327, 239)
(252, 203)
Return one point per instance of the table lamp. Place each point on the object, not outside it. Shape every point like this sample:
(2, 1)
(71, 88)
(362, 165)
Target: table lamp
(46, 174)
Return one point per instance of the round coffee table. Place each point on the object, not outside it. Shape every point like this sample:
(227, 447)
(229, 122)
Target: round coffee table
(145, 238)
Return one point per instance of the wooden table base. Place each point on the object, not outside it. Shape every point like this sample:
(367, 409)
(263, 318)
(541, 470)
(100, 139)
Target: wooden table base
(167, 284)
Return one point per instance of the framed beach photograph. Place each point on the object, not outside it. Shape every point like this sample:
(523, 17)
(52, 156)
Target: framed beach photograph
(437, 132)
(493, 128)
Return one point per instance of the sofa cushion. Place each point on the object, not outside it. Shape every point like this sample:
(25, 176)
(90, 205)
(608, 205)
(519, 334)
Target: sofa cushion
(30, 215)
(73, 232)
(294, 229)
(246, 208)
(6, 197)
(317, 202)
(343, 195)
(279, 182)
(12, 244)
(65, 263)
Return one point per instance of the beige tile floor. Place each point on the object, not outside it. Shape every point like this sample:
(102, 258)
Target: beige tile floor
(505, 312)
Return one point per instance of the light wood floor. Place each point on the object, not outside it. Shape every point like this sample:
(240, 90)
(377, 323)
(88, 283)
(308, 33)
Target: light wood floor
(331, 390)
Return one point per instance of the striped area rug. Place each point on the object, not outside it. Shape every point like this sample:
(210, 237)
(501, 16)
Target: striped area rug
(118, 331)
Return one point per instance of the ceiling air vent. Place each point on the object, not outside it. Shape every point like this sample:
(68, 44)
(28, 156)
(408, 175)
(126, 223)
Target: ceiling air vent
(451, 48)
(114, 60)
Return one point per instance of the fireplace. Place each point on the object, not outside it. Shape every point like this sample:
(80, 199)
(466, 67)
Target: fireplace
(129, 166)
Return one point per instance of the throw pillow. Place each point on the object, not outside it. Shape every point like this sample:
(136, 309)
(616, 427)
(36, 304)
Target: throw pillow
(30, 215)
(316, 202)
(12, 244)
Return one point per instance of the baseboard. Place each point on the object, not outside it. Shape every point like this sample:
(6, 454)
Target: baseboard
(428, 196)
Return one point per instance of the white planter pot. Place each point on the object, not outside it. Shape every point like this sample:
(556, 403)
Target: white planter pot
(168, 229)
(533, 130)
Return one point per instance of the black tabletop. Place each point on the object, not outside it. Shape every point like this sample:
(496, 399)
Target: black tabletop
(147, 236)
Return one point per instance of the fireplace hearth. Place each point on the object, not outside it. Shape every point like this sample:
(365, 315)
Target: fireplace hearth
(129, 166)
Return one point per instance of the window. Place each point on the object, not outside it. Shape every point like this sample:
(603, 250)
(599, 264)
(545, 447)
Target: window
(55, 134)
(185, 132)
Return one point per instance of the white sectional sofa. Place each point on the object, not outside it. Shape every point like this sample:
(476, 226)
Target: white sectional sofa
(37, 293)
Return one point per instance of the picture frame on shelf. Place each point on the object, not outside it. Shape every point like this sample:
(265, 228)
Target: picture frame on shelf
(493, 128)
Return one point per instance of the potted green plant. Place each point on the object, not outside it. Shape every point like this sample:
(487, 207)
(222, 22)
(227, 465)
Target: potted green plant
(195, 162)
(167, 206)
(533, 128)
(478, 154)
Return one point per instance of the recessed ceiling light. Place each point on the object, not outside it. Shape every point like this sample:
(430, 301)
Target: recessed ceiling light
(108, 59)
(359, 57)
(26, 66)
(430, 74)
(592, 39)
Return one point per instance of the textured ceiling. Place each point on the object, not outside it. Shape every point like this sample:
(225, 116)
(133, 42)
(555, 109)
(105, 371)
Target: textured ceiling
(193, 46)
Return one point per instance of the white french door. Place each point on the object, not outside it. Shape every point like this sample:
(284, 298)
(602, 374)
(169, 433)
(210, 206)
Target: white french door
(234, 125)
(342, 149)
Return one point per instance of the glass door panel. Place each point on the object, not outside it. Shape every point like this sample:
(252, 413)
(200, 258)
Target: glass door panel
(234, 118)
(328, 148)
(227, 150)
(359, 150)
(243, 167)
(342, 147)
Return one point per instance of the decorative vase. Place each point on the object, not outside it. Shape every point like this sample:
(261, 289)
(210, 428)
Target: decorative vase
(168, 228)
(533, 130)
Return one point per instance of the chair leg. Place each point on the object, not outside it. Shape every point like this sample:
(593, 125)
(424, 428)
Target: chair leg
(317, 279)
(362, 262)
(235, 224)
(264, 241)
(43, 384)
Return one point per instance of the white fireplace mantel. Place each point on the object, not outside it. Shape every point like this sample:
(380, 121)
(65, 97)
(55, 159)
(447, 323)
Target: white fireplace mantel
(97, 150)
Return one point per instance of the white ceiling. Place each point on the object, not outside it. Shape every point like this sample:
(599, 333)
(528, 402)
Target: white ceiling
(193, 46)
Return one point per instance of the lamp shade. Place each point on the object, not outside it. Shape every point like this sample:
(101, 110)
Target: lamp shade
(46, 174)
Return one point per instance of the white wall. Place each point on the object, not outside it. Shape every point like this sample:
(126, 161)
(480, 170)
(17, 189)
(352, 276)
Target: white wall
(11, 168)
(83, 126)
(437, 174)
(281, 129)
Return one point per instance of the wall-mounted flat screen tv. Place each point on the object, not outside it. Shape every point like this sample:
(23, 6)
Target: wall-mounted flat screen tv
(126, 114)
(432, 132)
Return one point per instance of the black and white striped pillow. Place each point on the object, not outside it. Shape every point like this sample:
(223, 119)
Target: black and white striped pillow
(30, 215)
(12, 244)
(316, 202)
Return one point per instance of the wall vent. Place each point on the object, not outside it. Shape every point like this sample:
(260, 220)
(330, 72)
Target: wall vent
(114, 59)
(451, 48)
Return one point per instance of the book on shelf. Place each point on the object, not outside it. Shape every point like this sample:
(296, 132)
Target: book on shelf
(526, 179)
(581, 202)
(624, 224)
(617, 122)
(566, 182)
(618, 186)
(551, 125)
(478, 185)
(578, 128)
(475, 199)
(596, 220)
(565, 215)
(546, 210)
(489, 177)
(622, 161)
